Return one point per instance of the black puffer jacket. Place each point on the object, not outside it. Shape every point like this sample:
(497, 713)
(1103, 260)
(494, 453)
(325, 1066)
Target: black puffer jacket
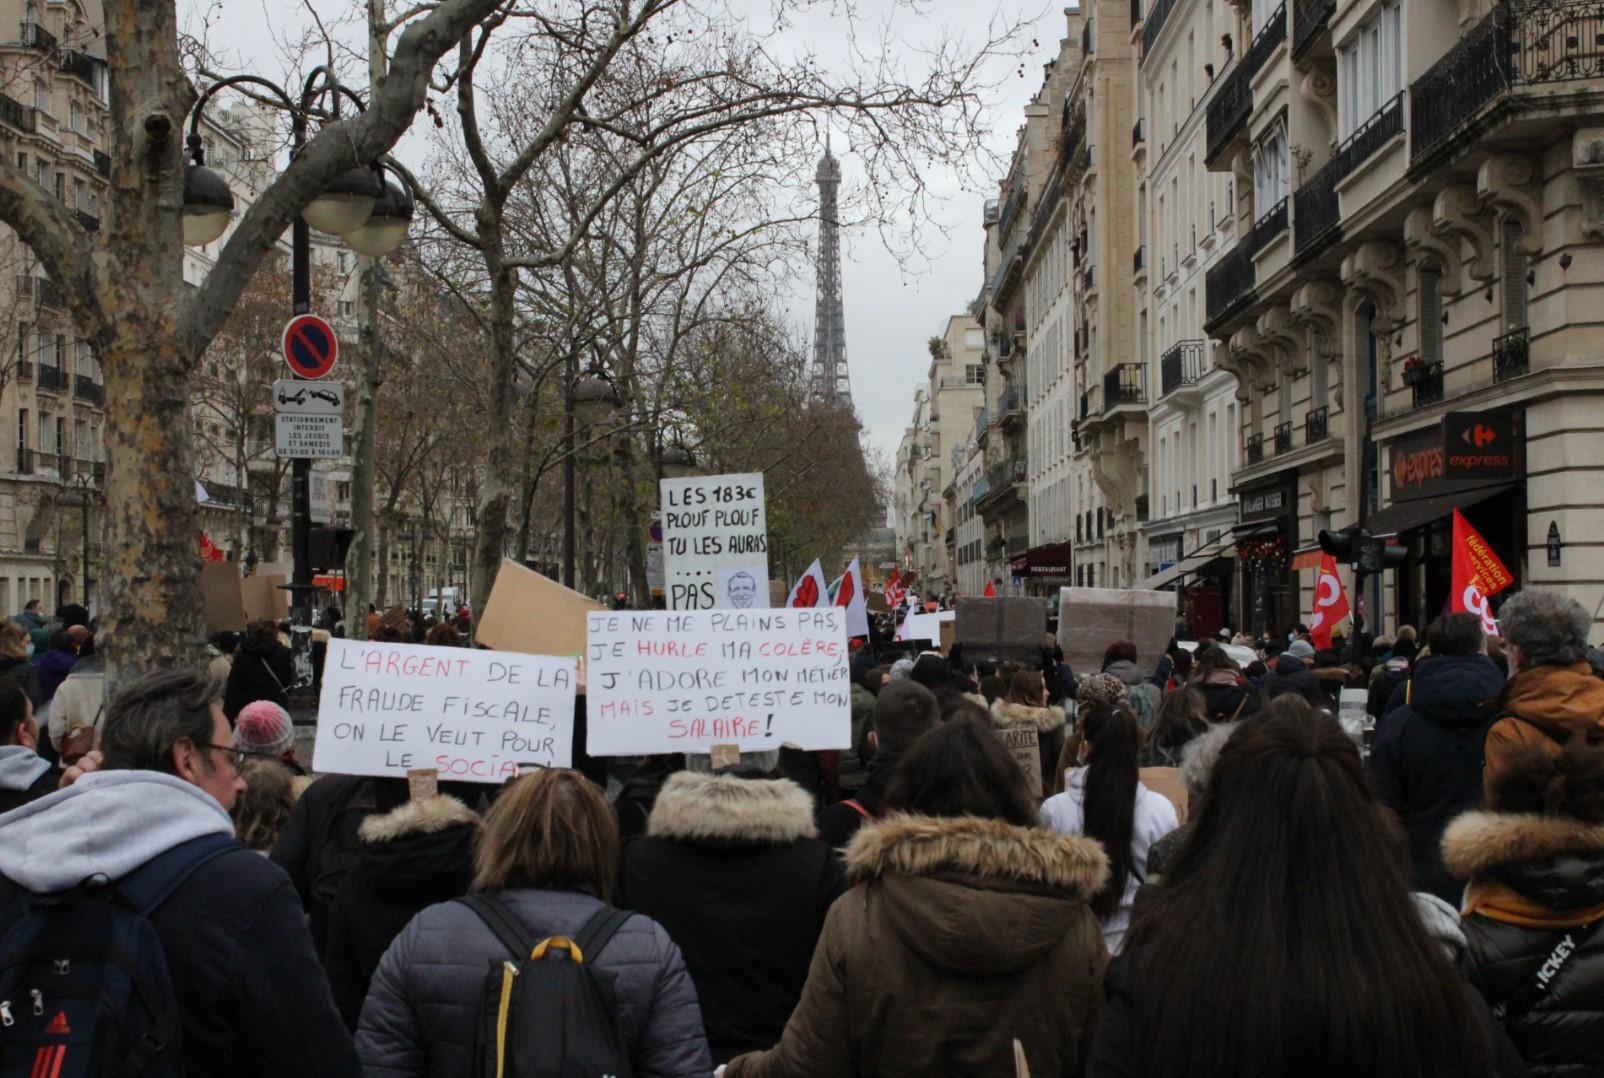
(1227, 701)
(1289, 677)
(1427, 757)
(263, 670)
(411, 857)
(1547, 869)
(422, 1013)
(731, 868)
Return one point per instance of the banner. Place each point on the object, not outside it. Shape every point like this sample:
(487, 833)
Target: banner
(849, 596)
(1478, 575)
(684, 681)
(472, 715)
(1330, 602)
(810, 590)
(715, 542)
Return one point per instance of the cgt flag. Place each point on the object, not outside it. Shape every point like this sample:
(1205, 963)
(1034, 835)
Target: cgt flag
(849, 594)
(1330, 603)
(1478, 575)
(893, 590)
(810, 589)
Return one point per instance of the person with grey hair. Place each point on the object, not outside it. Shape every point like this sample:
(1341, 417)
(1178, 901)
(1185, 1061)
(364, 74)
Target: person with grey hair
(1197, 763)
(152, 820)
(1552, 695)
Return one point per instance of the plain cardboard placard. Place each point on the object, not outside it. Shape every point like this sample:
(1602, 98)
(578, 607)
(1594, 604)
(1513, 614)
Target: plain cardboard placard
(533, 614)
(1010, 628)
(264, 598)
(225, 606)
(1090, 619)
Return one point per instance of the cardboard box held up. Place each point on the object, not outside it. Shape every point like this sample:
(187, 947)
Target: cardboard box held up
(533, 614)
(1010, 629)
(1090, 619)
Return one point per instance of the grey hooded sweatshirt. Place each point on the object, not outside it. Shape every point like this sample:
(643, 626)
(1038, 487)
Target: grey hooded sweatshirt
(24, 776)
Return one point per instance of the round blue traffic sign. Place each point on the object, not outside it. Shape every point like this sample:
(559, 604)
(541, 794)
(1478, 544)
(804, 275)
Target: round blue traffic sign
(310, 346)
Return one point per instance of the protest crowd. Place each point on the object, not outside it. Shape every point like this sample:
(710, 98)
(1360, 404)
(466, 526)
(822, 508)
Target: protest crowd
(1179, 863)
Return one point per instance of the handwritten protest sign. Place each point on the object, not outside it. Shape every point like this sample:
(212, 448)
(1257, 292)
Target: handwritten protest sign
(685, 681)
(1024, 745)
(473, 716)
(715, 542)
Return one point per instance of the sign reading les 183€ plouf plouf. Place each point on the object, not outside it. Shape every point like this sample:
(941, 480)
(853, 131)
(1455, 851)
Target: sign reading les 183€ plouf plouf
(471, 715)
(684, 681)
(715, 542)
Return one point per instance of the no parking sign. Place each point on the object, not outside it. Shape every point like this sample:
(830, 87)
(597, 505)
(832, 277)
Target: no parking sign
(310, 346)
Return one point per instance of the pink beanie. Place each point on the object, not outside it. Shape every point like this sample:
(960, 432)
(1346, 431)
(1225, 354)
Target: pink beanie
(264, 727)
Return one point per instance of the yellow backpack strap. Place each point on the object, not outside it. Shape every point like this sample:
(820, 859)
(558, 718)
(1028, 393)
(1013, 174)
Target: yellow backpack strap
(574, 952)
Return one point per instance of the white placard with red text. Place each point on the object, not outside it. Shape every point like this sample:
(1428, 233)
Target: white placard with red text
(684, 681)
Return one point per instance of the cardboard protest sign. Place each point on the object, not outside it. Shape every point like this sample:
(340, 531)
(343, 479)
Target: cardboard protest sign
(1024, 745)
(265, 597)
(684, 681)
(471, 715)
(533, 614)
(924, 626)
(1010, 628)
(1090, 619)
(715, 542)
(220, 589)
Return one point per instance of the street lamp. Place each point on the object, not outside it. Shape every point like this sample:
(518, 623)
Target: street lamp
(677, 461)
(345, 207)
(590, 400)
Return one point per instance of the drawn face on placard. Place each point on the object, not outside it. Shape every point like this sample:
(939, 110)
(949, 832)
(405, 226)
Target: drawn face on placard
(741, 589)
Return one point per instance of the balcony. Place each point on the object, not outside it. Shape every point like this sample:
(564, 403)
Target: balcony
(1228, 111)
(1011, 408)
(1091, 278)
(1090, 403)
(1469, 75)
(1228, 285)
(1180, 366)
(1012, 207)
(24, 460)
(1010, 268)
(1283, 438)
(1268, 227)
(1139, 261)
(999, 486)
(1512, 355)
(37, 37)
(89, 221)
(1255, 448)
(103, 164)
(15, 114)
(1138, 135)
(1317, 214)
(1124, 384)
(51, 378)
(1265, 42)
(1314, 425)
(24, 285)
(86, 389)
(1424, 381)
(1153, 24)
(81, 66)
(49, 295)
(98, 470)
(1088, 45)
(1309, 17)
(1384, 126)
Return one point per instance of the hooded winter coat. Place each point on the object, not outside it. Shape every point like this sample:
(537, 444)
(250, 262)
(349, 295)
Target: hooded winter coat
(24, 776)
(960, 936)
(1048, 722)
(1384, 683)
(47, 674)
(422, 1013)
(253, 998)
(263, 670)
(411, 857)
(1536, 881)
(1139, 685)
(1289, 677)
(731, 868)
(1545, 706)
(1427, 757)
(1227, 698)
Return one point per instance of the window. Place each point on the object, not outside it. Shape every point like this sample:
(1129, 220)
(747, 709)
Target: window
(346, 308)
(75, 116)
(61, 437)
(1430, 314)
(1370, 68)
(44, 433)
(61, 352)
(61, 187)
(80, 195)
(22, 428)
(22, 342)
(22, 163)
(85, 360)
(1515, 271)
(80, 440)
(41, 96)
(342, 258)
(1271, 181)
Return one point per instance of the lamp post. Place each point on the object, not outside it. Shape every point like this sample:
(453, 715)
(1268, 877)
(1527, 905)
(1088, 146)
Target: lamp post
(84, 484)
(588, 399)
(371, 212)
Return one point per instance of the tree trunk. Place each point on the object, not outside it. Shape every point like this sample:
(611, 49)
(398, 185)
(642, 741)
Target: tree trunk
(359, 581)
(501, 465)
(382, 589)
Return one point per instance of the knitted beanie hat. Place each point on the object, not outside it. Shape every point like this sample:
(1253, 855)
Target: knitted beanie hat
(264, 727)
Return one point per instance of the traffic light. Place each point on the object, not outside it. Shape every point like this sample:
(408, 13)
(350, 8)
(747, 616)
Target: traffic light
(1342, 545)
(327, 547)
(1376, 555)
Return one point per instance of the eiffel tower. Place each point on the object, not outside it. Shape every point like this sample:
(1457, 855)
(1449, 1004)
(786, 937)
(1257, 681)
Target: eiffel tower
(830, 379)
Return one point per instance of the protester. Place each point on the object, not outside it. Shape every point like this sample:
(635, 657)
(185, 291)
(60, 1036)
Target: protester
(1391, 675)
(731, 866)
(1180, 670)
(417, 854)
(902, 712)
(1553, 695)
(220, 651)
(549, 856)
(444, 635)
(264, 729)
(1427, 754)
(1026, 708)
(264, 669)
(73, 716)
(24, 775)
(1226, 695)
(264, 806)
(1291, 888)
(1104, 799)
(31, 617)
(967, 930)
(52, 668)
(1120, 660)
(1534, 909)
(252, 998)
(637, 795)
(14, 664)
(1179, 720)
(1293, 673)
(1197, 764)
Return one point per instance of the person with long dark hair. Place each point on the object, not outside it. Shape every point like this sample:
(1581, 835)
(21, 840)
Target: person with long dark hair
(1292, 895)
(966, 931)
(1104, 799)
(1179, 720)
(1026, 708)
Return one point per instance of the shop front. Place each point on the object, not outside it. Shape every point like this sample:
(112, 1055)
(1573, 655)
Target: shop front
(1266, 590)
(1473, 462)
(1042, 570)
(1201, 579)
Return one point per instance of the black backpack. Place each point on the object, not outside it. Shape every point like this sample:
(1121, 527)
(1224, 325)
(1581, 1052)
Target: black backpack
(550, 1012)
(84, 984)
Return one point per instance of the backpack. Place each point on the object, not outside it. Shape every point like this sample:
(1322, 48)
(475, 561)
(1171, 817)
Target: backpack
(552, 1014)
(84, 984)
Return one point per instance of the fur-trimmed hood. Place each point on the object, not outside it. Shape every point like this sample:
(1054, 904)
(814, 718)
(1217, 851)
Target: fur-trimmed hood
(724, 808)
(1480, 842)
(421, 851)
(1525, 869)
(906, 845)
(1016, 716)
(424, 816)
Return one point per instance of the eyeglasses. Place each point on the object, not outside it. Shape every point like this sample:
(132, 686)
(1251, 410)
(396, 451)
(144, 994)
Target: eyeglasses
(237, 756)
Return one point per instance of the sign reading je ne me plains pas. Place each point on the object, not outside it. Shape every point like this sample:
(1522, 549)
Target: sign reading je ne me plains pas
(685, 681)
(715, 542)
(473, 716)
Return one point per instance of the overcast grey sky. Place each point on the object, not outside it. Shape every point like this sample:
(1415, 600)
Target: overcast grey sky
(893, 304)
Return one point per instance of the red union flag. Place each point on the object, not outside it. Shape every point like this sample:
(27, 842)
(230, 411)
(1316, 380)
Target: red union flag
(811, 590)
(850, 595)
(1330, 602)
(209, 550)
(1478, 574)
(893, 589)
